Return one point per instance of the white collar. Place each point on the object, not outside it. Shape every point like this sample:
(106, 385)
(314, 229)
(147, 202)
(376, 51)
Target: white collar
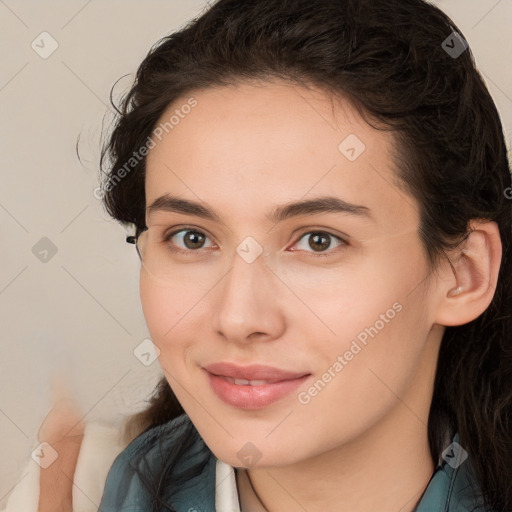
(226, 492)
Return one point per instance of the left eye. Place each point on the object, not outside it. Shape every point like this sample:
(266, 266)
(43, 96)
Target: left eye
(320, 241)
(192, 239)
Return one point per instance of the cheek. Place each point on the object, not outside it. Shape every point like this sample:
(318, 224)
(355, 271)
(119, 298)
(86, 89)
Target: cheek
(360, 378)
(338, 302)
(156, 306)
(165, 311)
(176, 304)
(168, 319)
(374, 316)
(381, 326)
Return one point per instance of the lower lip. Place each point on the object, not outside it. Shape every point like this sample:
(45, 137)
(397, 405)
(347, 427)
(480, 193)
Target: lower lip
(253, 397)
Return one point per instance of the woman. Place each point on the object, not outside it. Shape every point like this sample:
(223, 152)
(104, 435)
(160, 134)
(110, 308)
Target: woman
(319, 192)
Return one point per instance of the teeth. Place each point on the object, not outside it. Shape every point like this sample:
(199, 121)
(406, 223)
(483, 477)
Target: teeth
(245, 382)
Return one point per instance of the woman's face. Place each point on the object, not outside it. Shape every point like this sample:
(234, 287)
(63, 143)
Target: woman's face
(322, 314)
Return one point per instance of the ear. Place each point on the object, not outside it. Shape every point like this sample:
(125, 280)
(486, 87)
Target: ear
(469, 283)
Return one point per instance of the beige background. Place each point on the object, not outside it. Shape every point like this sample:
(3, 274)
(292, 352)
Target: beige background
(79, 311)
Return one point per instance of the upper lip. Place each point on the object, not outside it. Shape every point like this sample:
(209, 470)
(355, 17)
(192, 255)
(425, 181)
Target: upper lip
(252, 372)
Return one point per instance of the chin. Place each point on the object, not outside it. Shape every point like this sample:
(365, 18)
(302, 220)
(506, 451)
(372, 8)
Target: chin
(253, 457)
(241, 452)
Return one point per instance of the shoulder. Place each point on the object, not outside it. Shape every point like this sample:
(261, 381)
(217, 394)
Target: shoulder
(171, 460)
(453, 486)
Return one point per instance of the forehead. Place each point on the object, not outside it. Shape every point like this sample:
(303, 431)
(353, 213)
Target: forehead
(244, 148)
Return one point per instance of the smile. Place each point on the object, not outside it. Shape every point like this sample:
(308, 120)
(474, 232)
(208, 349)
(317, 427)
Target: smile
(251, 387)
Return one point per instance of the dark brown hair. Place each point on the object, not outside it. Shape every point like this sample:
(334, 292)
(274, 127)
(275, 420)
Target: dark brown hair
(389, 59)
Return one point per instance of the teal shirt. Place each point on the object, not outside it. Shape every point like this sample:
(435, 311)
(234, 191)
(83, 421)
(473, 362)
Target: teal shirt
(449, 490)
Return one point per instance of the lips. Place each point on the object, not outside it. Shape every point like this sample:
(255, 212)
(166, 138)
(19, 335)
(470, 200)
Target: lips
(252, 387)
(252, 373)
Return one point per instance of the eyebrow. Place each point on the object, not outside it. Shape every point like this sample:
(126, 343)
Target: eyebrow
(319, 205)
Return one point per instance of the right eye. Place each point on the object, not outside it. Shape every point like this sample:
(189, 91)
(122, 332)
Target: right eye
(191, 240)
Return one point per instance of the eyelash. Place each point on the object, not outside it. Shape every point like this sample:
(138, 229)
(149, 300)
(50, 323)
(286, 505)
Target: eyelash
(189, 252)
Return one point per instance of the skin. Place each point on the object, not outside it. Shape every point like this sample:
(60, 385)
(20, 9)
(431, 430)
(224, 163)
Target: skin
(63, 429)
(362, 439)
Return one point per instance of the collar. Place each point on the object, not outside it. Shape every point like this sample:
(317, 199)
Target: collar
(453, 486)
(450, 488)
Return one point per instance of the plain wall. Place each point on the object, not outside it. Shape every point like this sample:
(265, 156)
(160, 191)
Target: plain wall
(79, 311)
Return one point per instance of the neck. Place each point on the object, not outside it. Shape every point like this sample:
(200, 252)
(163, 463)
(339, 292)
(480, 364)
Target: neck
(382, 471)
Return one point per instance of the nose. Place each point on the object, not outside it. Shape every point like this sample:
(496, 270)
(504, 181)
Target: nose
(249, 303)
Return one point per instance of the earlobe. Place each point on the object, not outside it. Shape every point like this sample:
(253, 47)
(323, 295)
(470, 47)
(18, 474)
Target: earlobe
(474, 268)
